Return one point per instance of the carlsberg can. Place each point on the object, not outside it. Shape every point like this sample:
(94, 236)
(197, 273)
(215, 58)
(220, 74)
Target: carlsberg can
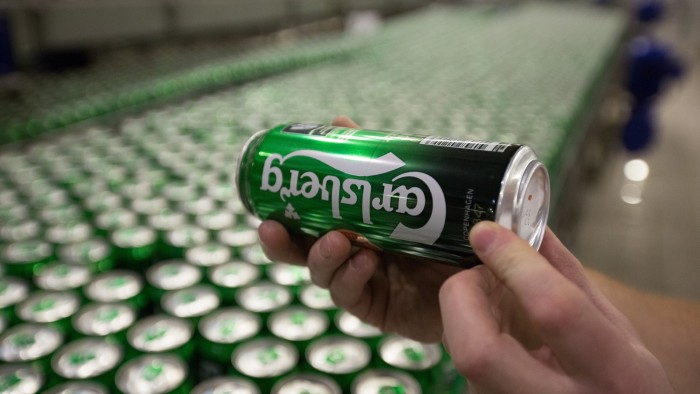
(417, 195)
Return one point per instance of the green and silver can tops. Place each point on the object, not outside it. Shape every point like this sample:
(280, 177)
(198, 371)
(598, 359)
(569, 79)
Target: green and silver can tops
(20, 379)
(318, 298)
(298, 325)
(79, 388)
(64, 214)
(24, 258)
(171, 275)
(350, 325)
(87, 359)
(254, 254)
(264, 297)
(419, 359)
(153, 374)
(306, 383)
(149, 206)
(208, 255)
(111, 220)
(51, 197)
(59, 276)
(160, 334)
(220, 333)
(191, 303)
(137, 189)
(51, 307)
(229, 277)
(292, 276)
(198, 206)
(95, 253)
(134, 246)
(222, 191)
(381, 381)
(102, 201)
(388, 191)
(13, 211)
(226, 385)
(265, 360)
(12, 292)
(69, 233)
(104, 320)
(178, 192)
(216, 220)
(167, 220)
(238, 238)
(177, 241)
(17, 230)
(340, 357)
(117, 286)
(30, 343)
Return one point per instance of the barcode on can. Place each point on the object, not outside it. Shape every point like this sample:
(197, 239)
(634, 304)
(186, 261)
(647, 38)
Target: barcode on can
(465, 144)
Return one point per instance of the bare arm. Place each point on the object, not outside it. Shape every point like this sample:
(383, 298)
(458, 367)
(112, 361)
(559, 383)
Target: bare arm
(669, 327)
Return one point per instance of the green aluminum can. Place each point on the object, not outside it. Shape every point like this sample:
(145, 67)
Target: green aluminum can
(265, 360)
(12, 292)
(226, 385)
(20, 379)
(30, 343)
(49, 307)
(24, 258)
(117, 286)
(341, 357)
(105, 320)
(306, 383)
(418, 195)
(79, 388)
(95, 254)
(381, 381)
(59, 276)
(421, 360)
(153, 374)
(161, 334)
(87, 359)
(170, 275)
(229, 277)
(191, 303)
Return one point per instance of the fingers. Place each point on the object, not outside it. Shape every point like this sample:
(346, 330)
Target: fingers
(349, 283)
(278, 245)
(326, 256)
(473, 337)
(570, 323)
(344, 121)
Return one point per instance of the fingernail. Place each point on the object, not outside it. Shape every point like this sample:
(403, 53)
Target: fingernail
(325, 246)
(483, 236)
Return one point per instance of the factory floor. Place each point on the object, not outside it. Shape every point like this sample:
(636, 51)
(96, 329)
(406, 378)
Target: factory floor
(646, 233)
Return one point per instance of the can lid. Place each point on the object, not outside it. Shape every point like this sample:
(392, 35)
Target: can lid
(173, 275)
(317, 298)
(159, 333)
(385, 380)
(15, 230)
(114, 219)
(208, 254)
(198, 206)
(29, 341)
(225, 384)
(69, 233)
(288, 274)
(408, 354)
(233, 274)
(30, 251)
(523, 202)
(216, 220)
(255, 255)
(265, 358)
(238, 237)
(48, 306)
(338, 354)
(306, 383)
(230, 325)
(298, 323)
(167, 219)
(86, 358)
(187, 236)
(350, 325)
(263, 297)
(62, 276)
(193, 301)
(133, 237)
(86, 252)
(78, 388)
(20, 379)
(12, 291)
(101, 319)
(151, 374)
(150, 205)
(113, 286)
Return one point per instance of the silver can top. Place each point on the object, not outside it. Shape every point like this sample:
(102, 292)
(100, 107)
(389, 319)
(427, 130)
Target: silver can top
(102, 319)
(234, 274)
(317, 298)
(255, 255)
(133, 237)
(173, 275)
(116, 218)
(86, 252)
(226, 385)
(29, 341)
(114, 286)
(350, 325)
(187, 236)
(48, 306)
(79, 388)
(338, 355)
(265, 358)
(298, 323)
(20, 379)
(289, 274)
(151, 374)
(230, 325)
(208, 255)
(385, 380)
(306, 383)
(159, 333)
(404, 353)
(263, 297)
(193, 301)
(86, 358)
(167, 219)
(216, 220)
(238, 237)
(12, 291)
(62, 276)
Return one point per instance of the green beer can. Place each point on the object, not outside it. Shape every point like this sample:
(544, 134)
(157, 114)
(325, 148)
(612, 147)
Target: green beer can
(87, 359)
(298, 325)
(24, 258)
(226, 385)
(265, 360)
(421, 360)
(418, 195)
(20, 379)
(306, 383)
(341, 357)
(191, 303)
(79, 388)
(50, 307)
(117, 286)
(30, 343)
(381, 381)
(229, 277)
(62, 276)
(153, 374)
(319, 299)
(264, 298)
(208, 255)
(105, 320)
(12, 292)
(134, 246)
(350, 325)
(95, 254)
(170, 275)
(162, 334)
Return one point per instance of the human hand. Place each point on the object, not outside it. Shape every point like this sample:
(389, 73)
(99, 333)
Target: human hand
(562, 336)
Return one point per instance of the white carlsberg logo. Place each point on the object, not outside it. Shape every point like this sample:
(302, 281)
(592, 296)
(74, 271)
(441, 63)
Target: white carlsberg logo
(309, 186)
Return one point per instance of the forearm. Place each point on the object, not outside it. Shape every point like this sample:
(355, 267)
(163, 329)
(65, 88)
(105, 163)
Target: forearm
(669, 327)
